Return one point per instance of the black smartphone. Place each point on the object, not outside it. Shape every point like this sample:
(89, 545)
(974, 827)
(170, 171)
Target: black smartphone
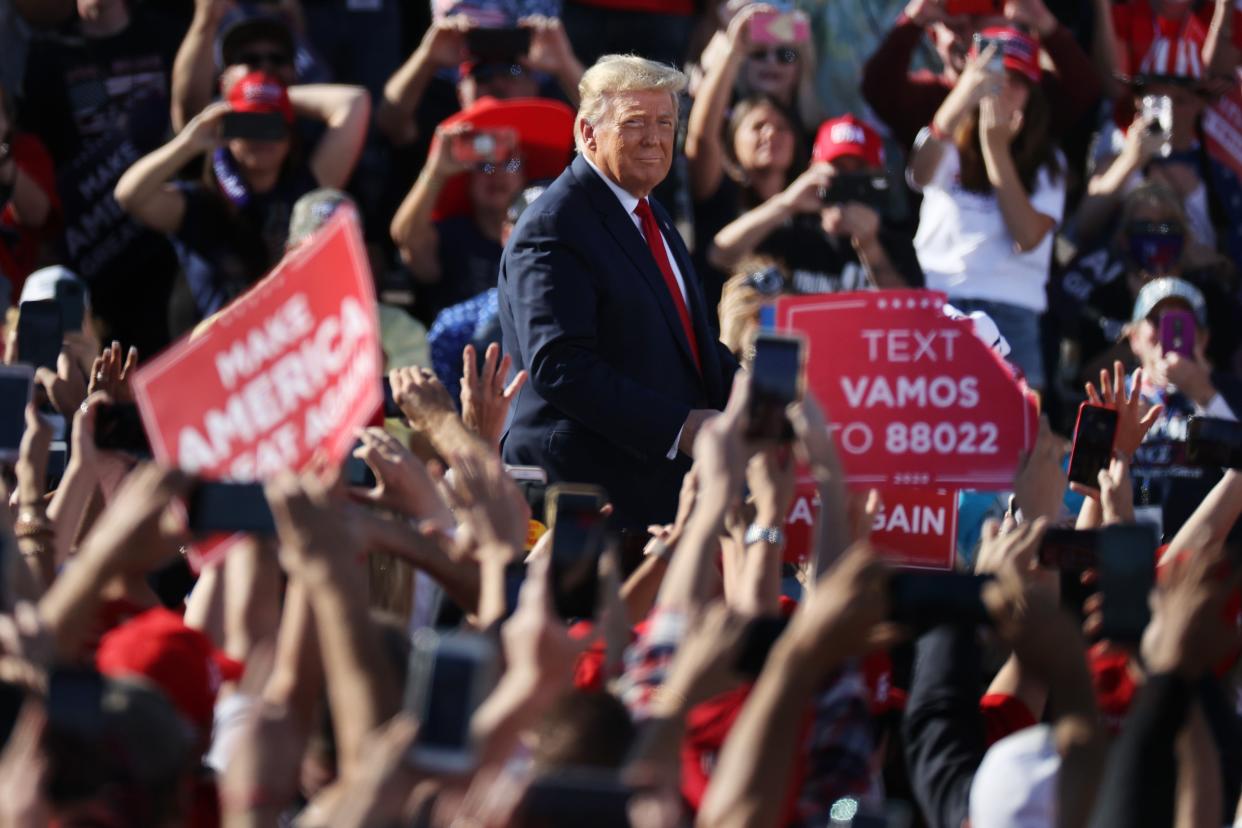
(16, 389)
(71, 295)
(757, 641)
(579, 534)
(1215, 443)
(776, 381)
(923, 600)
(859, 187)
(118, 427)
(357, 473)
(214, 507)
(574, 797)
(498, 44)
(533, 481)
(391, 409)
(39, 333)
(1094, 434)
(1069, 550)
(1127, 574)
(254, 126)
(449, 677)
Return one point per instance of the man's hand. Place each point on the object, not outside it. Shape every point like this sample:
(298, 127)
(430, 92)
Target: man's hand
(811, 428)
(488, 499)
(485, 399)
(1117, 492)
(690, 429)
(1188, 633)
(421, 397)
(772, 482)
(847, 611)
(403, 483)
(129, 537)
(1192, 377)
(1134, 419)
(1040, 483)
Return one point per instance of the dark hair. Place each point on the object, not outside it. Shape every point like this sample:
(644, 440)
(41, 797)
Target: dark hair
(293, 158)
(739, 112)
(1033, 148)
(584, 729)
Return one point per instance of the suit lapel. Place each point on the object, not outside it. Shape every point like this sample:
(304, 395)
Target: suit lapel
(621, 227)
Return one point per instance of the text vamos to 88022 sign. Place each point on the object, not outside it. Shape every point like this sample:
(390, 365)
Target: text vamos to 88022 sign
(913, 397)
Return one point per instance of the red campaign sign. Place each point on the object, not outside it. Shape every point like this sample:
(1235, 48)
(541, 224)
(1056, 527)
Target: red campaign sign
(291, 367)
(1222, 129)
(915, 529)
(913, 397)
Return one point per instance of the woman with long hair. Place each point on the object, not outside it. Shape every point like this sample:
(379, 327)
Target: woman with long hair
(993, 193)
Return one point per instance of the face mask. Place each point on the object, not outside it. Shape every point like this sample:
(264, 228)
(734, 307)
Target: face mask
(1155, 248)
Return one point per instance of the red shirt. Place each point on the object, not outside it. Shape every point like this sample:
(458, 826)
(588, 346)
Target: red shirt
(20, 245)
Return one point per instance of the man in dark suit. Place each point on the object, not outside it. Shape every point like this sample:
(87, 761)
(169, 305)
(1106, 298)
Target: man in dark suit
(599, 302)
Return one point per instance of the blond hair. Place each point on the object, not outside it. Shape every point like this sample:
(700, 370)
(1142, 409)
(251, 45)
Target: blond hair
(617, 74)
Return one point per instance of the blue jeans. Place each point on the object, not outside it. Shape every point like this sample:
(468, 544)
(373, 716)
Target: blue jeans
(1018, 325)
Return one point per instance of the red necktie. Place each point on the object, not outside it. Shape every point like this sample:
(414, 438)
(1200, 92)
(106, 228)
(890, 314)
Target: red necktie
(655, 243)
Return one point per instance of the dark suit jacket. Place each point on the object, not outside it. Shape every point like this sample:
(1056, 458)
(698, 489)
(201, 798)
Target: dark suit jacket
(584, 308)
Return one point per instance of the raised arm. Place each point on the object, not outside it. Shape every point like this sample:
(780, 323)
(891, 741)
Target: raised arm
(896, 99)
(347, 112)
(194, 69)
(739, 238)
(997, 127)
(412, 229)
(442, 47)
(975, 82)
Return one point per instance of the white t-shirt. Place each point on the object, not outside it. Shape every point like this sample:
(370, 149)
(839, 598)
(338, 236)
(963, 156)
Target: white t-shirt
(966, 250)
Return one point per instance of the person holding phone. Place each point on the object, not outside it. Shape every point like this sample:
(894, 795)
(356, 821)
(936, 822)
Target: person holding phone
(232, 225)
(827, 227)
(993, 189)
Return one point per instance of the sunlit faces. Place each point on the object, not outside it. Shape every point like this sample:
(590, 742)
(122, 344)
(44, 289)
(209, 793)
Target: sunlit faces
(764, 140)
(633, 141)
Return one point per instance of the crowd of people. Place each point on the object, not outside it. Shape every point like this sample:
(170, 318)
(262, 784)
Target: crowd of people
(406, 650)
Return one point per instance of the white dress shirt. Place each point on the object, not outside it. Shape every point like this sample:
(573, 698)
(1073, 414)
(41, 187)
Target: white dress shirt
(629, 203)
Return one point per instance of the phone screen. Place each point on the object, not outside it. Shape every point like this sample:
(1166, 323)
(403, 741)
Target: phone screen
(1093, 444)
(498, 44)
(1127, 574)
(358, 474)
(72, 298)
(118, 427)
(1177, 333)
(927, 599)
(1069, 550)
(16, 387)
(39, 333)
(578, 535)
(859, 187)
(446, 724)
(391, 409)
(230, 507)
(1212, 442)
(776, 377)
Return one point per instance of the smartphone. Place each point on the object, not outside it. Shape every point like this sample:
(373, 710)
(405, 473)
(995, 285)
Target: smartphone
(498, 44)
(118, 427)
(860, 187)
(775, 28)
(1094, 434)
(214, 506)
(776, 381)
(927, 599)
(71, 295)
(573, 797)
(579, 534)
(1157, 114)
(996, 64)
(39, 333)
(254, 126)
(1126, 575)
(1069, 550)
(391, 409)
(16, 391)
(484, 146)
(449, 677)
(1212, 442)
(757, 641)
(973, 7)
(358, 474)
(1177, 333)
(533, 481)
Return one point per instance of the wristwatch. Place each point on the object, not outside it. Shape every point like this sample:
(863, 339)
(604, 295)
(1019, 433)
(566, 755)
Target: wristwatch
(764, 534)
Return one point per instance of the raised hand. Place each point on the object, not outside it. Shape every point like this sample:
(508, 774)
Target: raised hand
(404, 485)
(488, 499)
(1039, 486)
(111, 374)
(1116, 491)
(420, 396)
(1188, 632)
(1134, 417)
(485, 399)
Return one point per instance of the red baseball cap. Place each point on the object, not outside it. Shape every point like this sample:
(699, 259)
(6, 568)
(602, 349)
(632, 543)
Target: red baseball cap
(182, 662)
(847, 137)
(1021, 51)
(261, 92)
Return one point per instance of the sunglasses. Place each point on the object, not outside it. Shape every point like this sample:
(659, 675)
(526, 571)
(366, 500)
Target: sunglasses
(779, 54)
(258, 59)
(513, 165)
